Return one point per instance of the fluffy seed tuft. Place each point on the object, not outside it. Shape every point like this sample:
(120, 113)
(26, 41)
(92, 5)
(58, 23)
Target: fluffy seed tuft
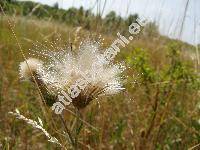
(33, 66)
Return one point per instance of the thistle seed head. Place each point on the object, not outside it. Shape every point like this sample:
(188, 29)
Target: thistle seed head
(63, 71)
(29, 67)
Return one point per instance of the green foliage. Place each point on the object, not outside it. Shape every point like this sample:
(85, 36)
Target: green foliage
(72, 16)
(117, 136)
(139, 60)
(168, 85)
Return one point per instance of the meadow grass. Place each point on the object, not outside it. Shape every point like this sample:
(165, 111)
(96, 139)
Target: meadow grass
(159, 108)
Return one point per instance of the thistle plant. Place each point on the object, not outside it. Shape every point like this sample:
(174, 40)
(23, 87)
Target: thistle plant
(80, 76)
(29, 70)
(85, 75)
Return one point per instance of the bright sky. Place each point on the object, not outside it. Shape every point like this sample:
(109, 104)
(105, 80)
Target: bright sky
(168, 14)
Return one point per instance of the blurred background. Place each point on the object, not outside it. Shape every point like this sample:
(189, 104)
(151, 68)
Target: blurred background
(172, 17)
(160, 106)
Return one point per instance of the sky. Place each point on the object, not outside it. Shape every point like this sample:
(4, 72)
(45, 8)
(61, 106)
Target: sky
(167, 14)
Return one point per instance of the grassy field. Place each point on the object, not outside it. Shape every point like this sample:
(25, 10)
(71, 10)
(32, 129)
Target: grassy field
(159, 108)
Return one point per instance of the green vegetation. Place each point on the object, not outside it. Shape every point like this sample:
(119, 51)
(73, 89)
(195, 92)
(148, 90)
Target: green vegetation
(159, 108)
(72, 16)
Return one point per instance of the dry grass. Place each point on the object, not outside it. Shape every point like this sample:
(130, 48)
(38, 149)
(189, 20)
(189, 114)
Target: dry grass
(144, 116)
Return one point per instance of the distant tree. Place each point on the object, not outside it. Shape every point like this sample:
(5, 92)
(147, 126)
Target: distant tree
(5, 5)
(131, 19)
(112, 23)
(70, 16)
(80, 15)
(9, 1)
(109, 21)
(56, 5)
(89, 17)
(27, 8)
(110, 18)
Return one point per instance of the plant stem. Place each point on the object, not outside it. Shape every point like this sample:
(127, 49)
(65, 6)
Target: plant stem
(67, 130)
(77, 128)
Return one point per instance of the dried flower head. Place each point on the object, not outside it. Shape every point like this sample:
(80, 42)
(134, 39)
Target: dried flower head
(86, 73)
(29, 68)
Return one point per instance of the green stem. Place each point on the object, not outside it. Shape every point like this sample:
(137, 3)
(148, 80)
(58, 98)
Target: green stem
(67, 130)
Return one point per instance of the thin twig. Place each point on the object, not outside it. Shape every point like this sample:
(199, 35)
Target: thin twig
(184, 16)
(67, 130)
(77, 127)
(86, 123)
